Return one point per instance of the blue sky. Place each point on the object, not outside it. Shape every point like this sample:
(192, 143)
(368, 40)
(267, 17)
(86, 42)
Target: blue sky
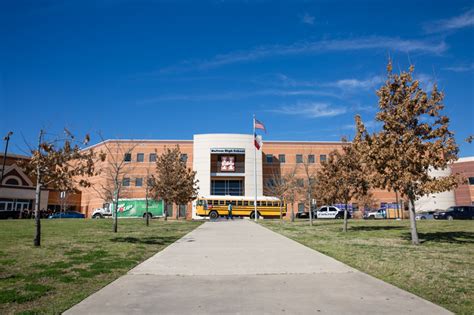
(169, 69)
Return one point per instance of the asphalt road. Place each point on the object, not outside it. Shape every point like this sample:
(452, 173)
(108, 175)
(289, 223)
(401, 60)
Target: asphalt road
(239, 267)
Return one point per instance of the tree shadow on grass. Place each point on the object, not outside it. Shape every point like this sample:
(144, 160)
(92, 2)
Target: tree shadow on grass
(153, 240)
(377, 228)
(444, 237)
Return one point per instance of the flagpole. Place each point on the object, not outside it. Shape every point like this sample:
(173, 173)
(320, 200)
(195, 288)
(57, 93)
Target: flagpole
(255, 169)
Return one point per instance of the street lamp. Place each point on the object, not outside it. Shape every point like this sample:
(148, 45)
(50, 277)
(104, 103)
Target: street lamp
(7, 139)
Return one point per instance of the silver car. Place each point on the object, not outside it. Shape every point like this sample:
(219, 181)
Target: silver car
(425, 215)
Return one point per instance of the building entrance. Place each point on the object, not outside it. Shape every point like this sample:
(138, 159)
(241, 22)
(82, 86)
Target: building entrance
(227, 187)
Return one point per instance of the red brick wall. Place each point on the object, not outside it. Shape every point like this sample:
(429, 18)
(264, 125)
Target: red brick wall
(464, 194)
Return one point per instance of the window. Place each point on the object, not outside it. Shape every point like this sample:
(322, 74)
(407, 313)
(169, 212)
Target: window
(322, 158)
(299, 158)
(221, 203)
(150, 181)
(152, 157)
(182, 211)
(269, 158)
(301, 207)
(227, 187)
(140, 157)
(184, 157)
(127, 157)
(239, 203)
(471, 180)
(300, 182)
(12, 181)
(139, 182)
(271, 182)
(126, 182)
(282, 158)
(311, 158)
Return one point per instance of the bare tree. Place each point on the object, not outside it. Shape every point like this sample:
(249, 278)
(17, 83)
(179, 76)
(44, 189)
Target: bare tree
(292, 190)
(149, 183)
(415, 139)
(309, 171)
(277, 185)
(60, 164)
(115, 170)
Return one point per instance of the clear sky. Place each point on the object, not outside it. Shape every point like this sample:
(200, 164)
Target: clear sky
(146, 69)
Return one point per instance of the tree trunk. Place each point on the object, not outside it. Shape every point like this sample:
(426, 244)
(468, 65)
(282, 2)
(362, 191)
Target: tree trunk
(115, 213)
(310, 210)
(147, 219)
(414, 232)
(292, 212)
(398, 204)
(166, 210)
(37, 240)
(177, 211)
(344, 228)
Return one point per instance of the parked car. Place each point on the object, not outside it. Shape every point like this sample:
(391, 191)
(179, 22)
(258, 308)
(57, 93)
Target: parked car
(377, 214)
(425, 215)
(330, 212)
(457, 212)
(67, 215)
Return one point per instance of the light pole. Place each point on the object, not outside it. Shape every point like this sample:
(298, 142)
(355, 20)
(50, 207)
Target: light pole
(7, 139)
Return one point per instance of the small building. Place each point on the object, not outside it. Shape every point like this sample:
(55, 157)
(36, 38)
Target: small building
(17, 191)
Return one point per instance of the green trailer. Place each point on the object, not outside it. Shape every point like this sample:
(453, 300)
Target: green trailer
(136, 208)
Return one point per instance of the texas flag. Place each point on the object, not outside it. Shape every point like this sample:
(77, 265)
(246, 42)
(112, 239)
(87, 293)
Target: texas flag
(257, 141)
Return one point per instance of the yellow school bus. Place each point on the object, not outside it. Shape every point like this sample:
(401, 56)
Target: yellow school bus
(215, 206)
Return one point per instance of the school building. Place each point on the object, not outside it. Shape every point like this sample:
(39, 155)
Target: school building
(224, 165)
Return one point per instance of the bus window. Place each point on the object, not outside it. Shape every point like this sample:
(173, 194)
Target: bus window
(233, 202)
(246, 203)
(259, 203)
(221, 202)
(251, 203)
(239, 203)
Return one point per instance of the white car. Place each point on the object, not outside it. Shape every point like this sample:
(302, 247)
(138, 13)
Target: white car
(330, 212)
(379, 214)
(425, 215)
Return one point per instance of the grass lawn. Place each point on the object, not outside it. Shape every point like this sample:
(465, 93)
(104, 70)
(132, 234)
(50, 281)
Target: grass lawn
(440, 270)
(77, 257)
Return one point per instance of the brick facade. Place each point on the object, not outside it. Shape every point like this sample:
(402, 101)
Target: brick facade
(464, 194)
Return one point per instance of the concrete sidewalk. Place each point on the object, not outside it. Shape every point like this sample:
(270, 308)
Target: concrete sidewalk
(239, 267)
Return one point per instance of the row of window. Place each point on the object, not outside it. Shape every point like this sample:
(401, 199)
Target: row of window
(299, 182)
(126, 182)
(299, 158)
(243, 203)
(151, 157)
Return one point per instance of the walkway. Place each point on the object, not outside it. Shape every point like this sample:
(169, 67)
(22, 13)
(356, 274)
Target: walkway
(239, 267)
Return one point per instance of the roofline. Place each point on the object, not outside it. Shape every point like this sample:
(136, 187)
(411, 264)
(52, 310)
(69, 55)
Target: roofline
(303, 142)
(11, 155)
(192, 141)
(465, 159)
(135, 140)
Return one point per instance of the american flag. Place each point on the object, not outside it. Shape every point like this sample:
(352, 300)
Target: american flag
(259, 125)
